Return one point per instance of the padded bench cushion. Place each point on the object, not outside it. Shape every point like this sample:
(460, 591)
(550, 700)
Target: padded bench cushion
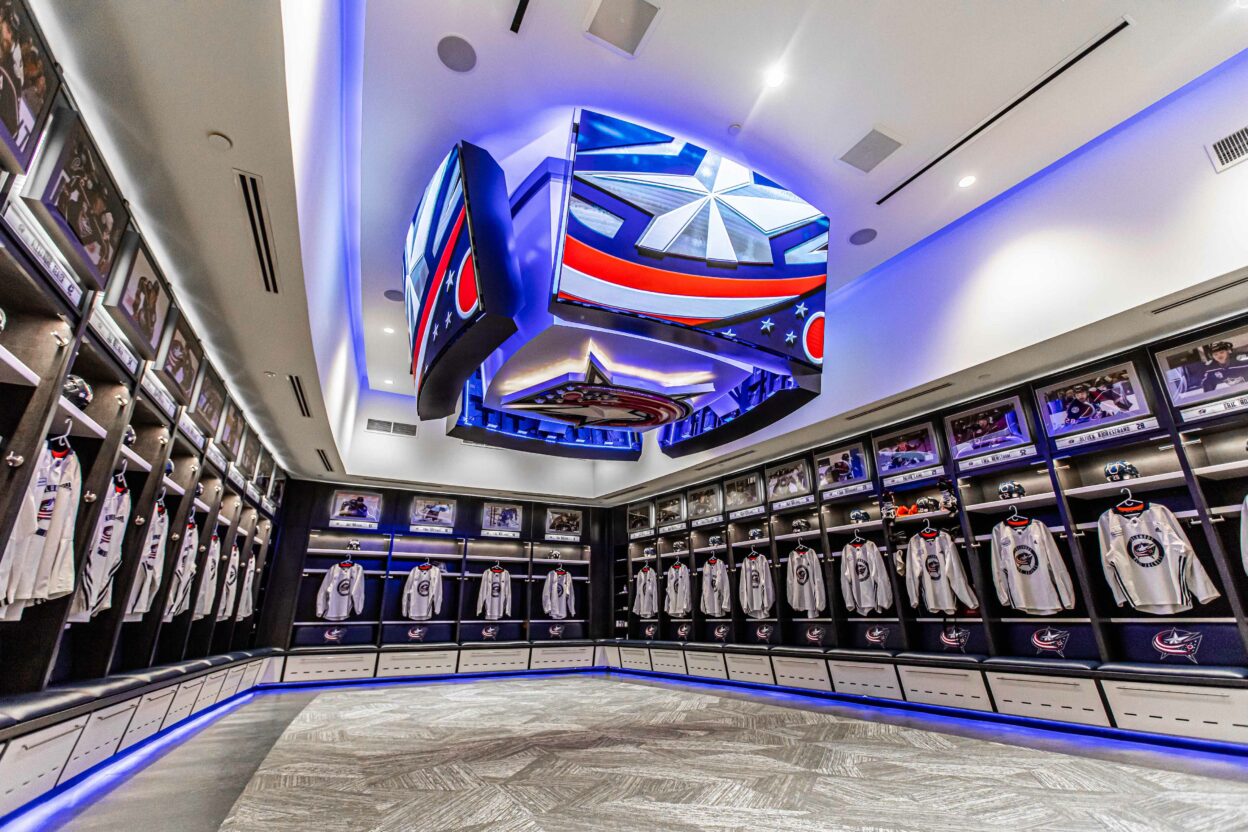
(24, 707)
(716, 646)
(424, 645)
(165, 672)
(487, 645)
(938, 658)
(801, 652)
(571, 642)
(1040, 663)
(1177, 670)
(747, 648)
(102, 688)
(859, 653)
(358, 648)
(662, 645)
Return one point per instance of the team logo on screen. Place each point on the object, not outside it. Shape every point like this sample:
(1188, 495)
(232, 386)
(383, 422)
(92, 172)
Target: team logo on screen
(877, 636)
(602, 405)
(955, 637)
(1050, 640)
(1176, 642)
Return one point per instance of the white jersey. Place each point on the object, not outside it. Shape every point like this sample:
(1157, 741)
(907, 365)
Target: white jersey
(864, 578)
(247, 594)
(422, 593)
(1028, 569)
(342, 592)
(558, 600)
(208, 586)
(38, 563)
(757, 590)
(716, 591)
(646, 597)
(934, 574)
(151, 565)
(494, 597)
(229, 586)
(179, 598)
(95, 590)
(805, 587)
(678, 595)
(1149, 561)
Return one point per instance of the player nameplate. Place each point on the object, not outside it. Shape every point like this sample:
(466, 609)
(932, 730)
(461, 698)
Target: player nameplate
(566, 538)
(708, 521)
(746, 512)
(671, 527)
(160, 396)
(352, 524)
(1138, 426)
(847, 490)
(793, 501)
(36, 242)
(192, 433)
(913, 476)
(1000, 456)
(638, 535)
(1191, 414)
(114, 340)
(427, 529)
(215, 456)
(498, 533)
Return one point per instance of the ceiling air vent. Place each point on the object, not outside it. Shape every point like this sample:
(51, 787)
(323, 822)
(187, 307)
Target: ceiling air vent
(1230, 151)
(395, 428)
(1198, 296)
(896, 402)
(300, 399)
(871, 149)
(257, 208)
(329, 466)
(622, 25)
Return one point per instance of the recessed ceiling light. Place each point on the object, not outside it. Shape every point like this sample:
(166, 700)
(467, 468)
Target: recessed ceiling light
(456, 54)
(389, 330)
(966, 181)
(774, 76)
(862, 236)
(734, 128)
(220, 141)
(393, 294)
(270, 374)
(389, 381)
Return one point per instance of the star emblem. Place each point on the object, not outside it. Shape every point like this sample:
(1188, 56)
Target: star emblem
(718, 214)
(435, 332)
(767, 325)
(790, 337)
(801, 310)
(448, 319)
(450, 283)
(728, 333)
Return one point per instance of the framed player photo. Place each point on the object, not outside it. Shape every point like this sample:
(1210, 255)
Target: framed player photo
(992, 427)
(355, 510)
(179, 360)
(564, 523)
(842, 466)
(502, 517)
(1092, 400)
(28, 85)
(251, 454)
(209, 401)
(232, 426)
(745, 491)
(1213, 368)
(705, 501)
(670, 509)
(139, 301)
(430, 513)
(640, 517)
(906, 450)
(789, 479)
(74, 198)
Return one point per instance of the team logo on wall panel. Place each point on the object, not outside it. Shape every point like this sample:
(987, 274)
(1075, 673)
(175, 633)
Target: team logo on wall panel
(334, 635)
(877, 636)
(1176, 642)
(682, 632)
(489, 633)
(721, 632)
(555, 630)
(417, 633)
(763, 632)
(815, 634)
(650, 631)
(955, 637)
(1050, 640)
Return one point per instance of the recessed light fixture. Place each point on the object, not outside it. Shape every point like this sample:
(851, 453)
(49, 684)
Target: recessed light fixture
(270, 374)
(393, 294)
(774, 76)
(966, 181)
(862, 236)
(734, 128)
(389, 330)
(220, 141)
(456, 54)
(389, 381)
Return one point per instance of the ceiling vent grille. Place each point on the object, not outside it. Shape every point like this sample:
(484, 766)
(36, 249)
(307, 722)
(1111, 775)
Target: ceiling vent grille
(395, 428)
(300, 399)
(256, 206)
(1198, 296)
(1230, 151)
(871, 149)
(896, 402)
(329, 466)
(622, 25)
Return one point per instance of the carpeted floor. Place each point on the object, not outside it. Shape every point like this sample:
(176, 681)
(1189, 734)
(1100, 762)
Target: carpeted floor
(590, 753)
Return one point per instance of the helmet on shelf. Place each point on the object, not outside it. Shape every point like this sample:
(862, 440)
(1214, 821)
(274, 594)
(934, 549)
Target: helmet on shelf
(169, 467)
(649, 551)
(1120, 470)
(926, 504)
(859, 515)
(801, 524)
(715, 540)
(756, 534)
(77, 390)
(353, 545)
(1010, 490)
(128, 436)
(679, 546)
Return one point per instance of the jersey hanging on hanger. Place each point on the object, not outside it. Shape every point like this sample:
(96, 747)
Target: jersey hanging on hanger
(865, 583)
(1028, 569)
(494, 596)
(1149, 561)
(39, 557)
(758, 591)
(342, 592)
(934, 574)
(646, 598)
(558, 601)
(179, 599)
(95, 590)
(229, 587)
(208, 585)
(716, 591)
(247, 594)
(677, 598)
(804, 585)
(151, 565)
(422, 594)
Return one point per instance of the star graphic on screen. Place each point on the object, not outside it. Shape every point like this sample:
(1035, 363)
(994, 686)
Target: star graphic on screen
(718, 213)
(448, 319)
(435, 331)
(801, 310)
(729, 333)
(790, 337)
(767, 325)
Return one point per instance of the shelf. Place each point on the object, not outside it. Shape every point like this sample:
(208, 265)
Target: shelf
(421, 556)
(703, 549)
(1046, 619)
(870, 618)
(358, 552)
(450, 621)
(493, 621)
(1139, 485)
(563, 560)
(1002, 506)
(1163, 620)
(84, 425)
(403, 575)
(173, 487)
(923, 515)
(762, 541)
(556, 620)
(959, 619)
(134, 461)
(201, 506)
(14, 371)
(811, 619)
(323, 571)
(674, 554)
(1055, 529)
(328, 623)
(849, 527)
(489, 559)
(1235, 509)
(796, 535)
(1224, 471)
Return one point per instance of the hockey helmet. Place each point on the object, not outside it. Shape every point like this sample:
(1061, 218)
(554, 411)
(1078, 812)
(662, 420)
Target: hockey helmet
(715, 540)
(756, 534)
(649, 551)
(77, 390)
(859, 516)
(129, 437)
(926, 504)
(801, 524)
(1010, 490)
(4, 319)
(1120, 470)
(679, 546)
(169, 468)
(353, 545)
(1220, 346)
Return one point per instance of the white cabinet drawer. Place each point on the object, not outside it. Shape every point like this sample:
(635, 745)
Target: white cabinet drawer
(609, 656)
(250, 674)
(494, 661)
(417, 663)
(209, 692)
(946, 686)
(99, 740)
(233, 680)
(749, 668)
(149, 716)
(811, 674)
(865, 679)
(32, 764)
(706, 664)
(551, 658)
(1065, 698)
(1187, 710)
(668, 661)
(322, 667)
(635, 658)
(183, 701)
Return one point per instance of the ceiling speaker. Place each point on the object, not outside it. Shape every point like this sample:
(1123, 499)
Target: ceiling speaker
(456, 54)
(622, 24)
(871, 149)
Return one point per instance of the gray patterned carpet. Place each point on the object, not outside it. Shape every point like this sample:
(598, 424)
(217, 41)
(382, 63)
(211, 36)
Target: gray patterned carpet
(585, 753)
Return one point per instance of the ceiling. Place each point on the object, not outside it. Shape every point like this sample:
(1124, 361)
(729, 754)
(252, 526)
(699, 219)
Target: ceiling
(155, 77)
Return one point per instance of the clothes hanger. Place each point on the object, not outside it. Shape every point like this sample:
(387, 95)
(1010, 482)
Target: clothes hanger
(1016, 519)
(120, 477)
(63, 439)
(857, 539)
(1130, 502)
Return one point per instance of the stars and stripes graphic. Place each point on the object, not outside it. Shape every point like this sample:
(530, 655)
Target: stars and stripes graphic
(1176, 642)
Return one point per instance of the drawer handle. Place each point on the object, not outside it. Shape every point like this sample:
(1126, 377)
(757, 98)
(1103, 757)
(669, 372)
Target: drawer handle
(64, 733)
(1041, 682)
(164, 694)
(951, 673)
(1178, 692)
(122, 712)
